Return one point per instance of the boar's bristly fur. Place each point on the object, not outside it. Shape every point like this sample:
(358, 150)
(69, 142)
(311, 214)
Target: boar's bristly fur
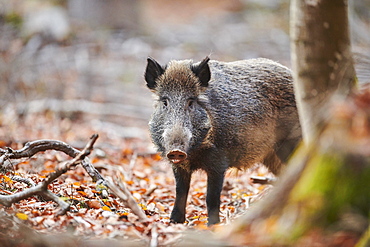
(214, 115)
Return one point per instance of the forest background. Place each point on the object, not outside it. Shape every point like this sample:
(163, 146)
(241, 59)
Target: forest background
(69, 69)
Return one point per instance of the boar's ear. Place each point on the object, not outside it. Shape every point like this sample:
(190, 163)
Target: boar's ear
(152, 72)
(203, 72)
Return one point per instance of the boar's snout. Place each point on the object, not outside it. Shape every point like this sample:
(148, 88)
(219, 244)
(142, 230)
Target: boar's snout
(176, 156)
(176, 142)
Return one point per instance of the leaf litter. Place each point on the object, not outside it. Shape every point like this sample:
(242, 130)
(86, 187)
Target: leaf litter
(132, 161)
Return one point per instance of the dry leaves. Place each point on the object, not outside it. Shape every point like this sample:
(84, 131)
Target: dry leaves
(133, 162)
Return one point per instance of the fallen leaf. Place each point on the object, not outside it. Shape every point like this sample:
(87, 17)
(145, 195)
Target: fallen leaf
(106, 208)
(22, 216)
(82, 193)
(93, 204)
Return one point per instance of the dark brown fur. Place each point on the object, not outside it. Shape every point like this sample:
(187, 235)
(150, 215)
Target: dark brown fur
(221, 115)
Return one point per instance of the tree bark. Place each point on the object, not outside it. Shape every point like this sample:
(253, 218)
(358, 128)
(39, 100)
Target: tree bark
(321, 58)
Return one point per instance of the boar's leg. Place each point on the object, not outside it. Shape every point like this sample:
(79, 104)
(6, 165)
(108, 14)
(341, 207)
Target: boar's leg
(214, 187)
(273, 162)
(182, 178)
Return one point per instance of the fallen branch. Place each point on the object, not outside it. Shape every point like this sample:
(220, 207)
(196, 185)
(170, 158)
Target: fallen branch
(27, 181)
(124, 194)
(41, 189)
(31, 148)
(79, 157)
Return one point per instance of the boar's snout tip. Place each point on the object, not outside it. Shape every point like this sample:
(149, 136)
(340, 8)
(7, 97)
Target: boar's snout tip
(176, 156)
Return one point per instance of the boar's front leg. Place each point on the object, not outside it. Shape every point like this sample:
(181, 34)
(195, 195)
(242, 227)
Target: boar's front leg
(182, 178)
(215, 179)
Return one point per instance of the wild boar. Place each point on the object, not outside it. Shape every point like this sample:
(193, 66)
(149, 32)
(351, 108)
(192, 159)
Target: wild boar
(213, 115)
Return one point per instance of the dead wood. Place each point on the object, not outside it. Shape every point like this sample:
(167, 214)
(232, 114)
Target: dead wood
(79, 157)
(41, 189)
(262, 180)
(124, 194)
(31, 148)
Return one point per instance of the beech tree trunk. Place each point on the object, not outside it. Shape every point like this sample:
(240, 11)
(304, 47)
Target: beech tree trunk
(321, 58)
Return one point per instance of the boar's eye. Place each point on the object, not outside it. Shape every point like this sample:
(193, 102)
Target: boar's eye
(191, 103)
(164, 101)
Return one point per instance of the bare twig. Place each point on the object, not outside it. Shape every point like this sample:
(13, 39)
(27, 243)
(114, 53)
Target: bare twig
(151, 189)
(154, 236)
(41, 189)
(79, 157)
(31, 148)
(124, 194)
(262, 180)
(132, 164)
(27, 181)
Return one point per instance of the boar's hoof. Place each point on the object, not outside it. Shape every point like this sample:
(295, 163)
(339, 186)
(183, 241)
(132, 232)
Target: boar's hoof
(176, 156)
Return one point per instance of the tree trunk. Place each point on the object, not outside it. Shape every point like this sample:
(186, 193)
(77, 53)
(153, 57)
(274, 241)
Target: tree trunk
(321, 58)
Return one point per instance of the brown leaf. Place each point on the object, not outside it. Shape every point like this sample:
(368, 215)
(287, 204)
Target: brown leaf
(93, 204)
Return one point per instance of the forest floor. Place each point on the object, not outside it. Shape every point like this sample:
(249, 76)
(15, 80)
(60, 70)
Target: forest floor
(132, 161)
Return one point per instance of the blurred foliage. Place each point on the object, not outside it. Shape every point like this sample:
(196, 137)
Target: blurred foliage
(14, 19)
(96, 50)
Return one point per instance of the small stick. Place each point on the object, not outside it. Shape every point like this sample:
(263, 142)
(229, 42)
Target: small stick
(124, 194)
(154, 236)
(262, 180)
